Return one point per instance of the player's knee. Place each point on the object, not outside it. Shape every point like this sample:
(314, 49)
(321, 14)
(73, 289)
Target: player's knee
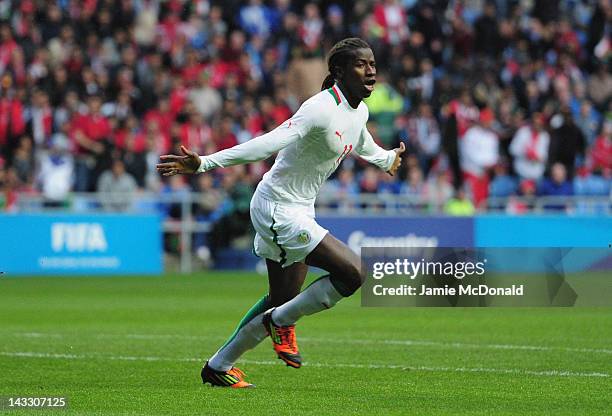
(279, 297)
(353, 277)
(357, 274)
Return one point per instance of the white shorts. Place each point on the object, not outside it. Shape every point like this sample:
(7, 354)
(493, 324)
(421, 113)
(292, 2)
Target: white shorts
(286, 233)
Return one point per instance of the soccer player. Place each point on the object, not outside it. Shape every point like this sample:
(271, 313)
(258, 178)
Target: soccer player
(310, 145)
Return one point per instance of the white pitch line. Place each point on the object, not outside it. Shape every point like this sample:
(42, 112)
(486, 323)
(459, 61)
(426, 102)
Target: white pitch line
(462, 345)
(517, 371)
(354, 341)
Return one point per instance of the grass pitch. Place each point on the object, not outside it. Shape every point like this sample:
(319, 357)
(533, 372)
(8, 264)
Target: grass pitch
(126, 346)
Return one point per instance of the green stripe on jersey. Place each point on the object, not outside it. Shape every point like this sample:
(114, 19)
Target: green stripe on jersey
(334, 94)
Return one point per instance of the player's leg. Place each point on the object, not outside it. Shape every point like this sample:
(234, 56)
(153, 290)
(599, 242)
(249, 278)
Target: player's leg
(345, 277)
(285, 284)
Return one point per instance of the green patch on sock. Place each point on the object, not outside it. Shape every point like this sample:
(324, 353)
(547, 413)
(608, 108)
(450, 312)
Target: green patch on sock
(260, 306)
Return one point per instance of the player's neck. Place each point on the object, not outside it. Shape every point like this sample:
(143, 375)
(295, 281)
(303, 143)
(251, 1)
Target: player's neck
(350, 98)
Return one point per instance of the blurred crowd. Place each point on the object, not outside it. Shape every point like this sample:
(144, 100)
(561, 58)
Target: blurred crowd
(492, 98)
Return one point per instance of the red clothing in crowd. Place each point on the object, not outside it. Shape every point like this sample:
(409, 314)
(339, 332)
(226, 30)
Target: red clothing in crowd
(163, 143)
(6, 51)
(195, 137)
(11, 119)
(42, 124)
(168, 32)
(94, 127)
(127, 140)
(178, 98)
(226, 141)
(255, 124)
(191, 74)
(465, 115)
(281, 113)
(392, 18)
(219, 71)
(601, 153)
(163, 120)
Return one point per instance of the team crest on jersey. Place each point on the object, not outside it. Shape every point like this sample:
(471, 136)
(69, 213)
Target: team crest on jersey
(303, 237)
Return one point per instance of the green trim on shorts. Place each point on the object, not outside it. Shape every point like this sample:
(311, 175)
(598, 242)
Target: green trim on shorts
(283, 253)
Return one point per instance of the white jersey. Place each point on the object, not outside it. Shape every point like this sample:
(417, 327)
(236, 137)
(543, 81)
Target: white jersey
(311, 145)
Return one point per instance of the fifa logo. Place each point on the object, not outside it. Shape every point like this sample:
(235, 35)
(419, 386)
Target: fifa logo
(78, 237)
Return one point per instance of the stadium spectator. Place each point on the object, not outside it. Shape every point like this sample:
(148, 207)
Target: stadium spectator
(486, 32)
(567, 141)
(195, 132)
(529, 148)
(600, 154)
(207, 100)
(392, 19)
(257, 19)
(368, 184)
(311, 30)
(525, 200)
(23, 160)
(343, 188)
(479, 153)
(335, 26)
(387, 185)
(39, 118)
(414, 185)
(234, 221)
(207, 205)
(588, 120)
(116, 187)
(437, 191)
(384, 104)
(600, 86)
(557, 185)
(153, 61)
(206, 209)
(56, 172)
(503, 184)
(424, 136)
(89, 132)
(12, 123)
(459, 205)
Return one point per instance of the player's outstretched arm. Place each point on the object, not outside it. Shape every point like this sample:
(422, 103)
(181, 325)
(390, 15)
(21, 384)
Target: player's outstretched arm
(388, 160)
(187, 163)
(309, 116)
(398, 159)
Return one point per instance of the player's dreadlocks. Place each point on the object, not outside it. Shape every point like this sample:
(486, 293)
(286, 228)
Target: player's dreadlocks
(338, 57)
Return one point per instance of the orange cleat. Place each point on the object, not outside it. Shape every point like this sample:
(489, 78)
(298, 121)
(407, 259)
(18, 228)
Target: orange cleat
(283, 341)
(233, 378)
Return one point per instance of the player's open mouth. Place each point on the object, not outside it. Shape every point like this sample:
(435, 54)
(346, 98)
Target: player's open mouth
(369, 84)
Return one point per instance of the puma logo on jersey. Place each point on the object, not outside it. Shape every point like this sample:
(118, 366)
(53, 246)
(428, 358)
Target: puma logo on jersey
(339, 134)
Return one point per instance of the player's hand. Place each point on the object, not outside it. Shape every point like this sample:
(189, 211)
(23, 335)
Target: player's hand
(398, 159)
(188, 162)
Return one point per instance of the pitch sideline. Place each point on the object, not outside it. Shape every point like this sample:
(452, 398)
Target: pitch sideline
(516, 371)
(355, 341)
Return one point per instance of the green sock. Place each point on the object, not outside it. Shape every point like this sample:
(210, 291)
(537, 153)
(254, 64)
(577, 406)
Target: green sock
(247, 335)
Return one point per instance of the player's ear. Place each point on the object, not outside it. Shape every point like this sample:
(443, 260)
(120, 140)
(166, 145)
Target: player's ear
(338, 72)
